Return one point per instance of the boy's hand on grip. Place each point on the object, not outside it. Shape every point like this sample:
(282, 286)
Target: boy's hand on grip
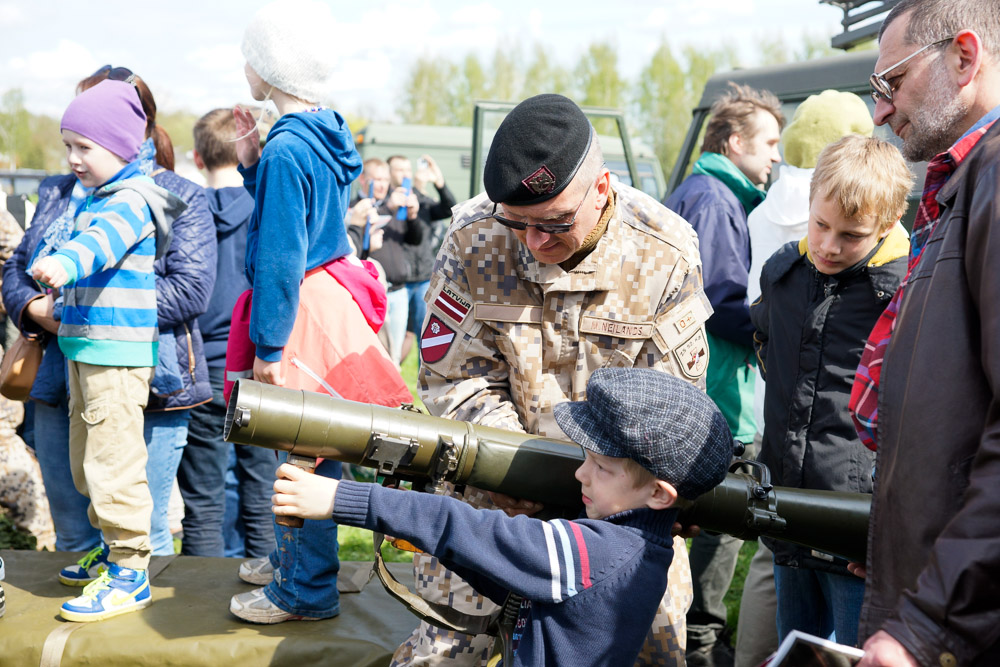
(302, 494)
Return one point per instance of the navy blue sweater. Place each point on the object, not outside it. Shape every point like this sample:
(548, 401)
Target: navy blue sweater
(591, 588)
(231, 209)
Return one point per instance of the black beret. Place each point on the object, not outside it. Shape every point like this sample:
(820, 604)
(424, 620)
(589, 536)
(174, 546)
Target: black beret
(537, 150)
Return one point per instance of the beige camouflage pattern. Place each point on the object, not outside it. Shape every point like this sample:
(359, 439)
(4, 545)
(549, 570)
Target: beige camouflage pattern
(528, 335)
(22, 494)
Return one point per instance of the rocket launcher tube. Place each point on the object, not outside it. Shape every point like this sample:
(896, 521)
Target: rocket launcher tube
(411, 445)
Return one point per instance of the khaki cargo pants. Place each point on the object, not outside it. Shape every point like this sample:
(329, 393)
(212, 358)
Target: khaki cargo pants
(428, 645)
(107, 454)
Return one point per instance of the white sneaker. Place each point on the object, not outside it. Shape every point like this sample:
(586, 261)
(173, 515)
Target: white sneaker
(253, 606)
(257, 571)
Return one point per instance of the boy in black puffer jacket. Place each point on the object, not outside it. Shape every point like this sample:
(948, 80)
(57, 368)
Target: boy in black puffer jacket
(819, 299)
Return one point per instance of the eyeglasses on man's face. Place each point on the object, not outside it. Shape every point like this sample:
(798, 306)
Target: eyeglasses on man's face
(881, 88)
(551, 227)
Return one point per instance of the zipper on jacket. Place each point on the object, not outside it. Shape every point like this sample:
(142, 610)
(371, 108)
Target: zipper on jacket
(191, 364)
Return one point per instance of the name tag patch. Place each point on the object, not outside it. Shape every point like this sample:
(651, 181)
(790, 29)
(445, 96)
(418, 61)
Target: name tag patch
(436, 340)
(499, 312)
(615, 328)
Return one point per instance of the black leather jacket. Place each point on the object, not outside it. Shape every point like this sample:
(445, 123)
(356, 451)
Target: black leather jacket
(934, 538)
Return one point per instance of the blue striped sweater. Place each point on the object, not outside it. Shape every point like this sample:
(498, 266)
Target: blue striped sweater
(109, 304)
(591, 587)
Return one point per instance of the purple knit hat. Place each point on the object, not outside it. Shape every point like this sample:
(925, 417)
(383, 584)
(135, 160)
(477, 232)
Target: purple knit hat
(109, 114)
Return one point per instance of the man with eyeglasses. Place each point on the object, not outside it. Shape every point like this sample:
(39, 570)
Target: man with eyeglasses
(556, 271)
(926, 393)
(726, 184)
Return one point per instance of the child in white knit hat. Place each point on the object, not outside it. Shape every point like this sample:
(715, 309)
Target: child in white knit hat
(301, 325)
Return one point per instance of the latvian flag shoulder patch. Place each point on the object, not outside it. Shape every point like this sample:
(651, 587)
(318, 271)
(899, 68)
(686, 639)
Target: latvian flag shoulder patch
(452, 304)
(436, 340)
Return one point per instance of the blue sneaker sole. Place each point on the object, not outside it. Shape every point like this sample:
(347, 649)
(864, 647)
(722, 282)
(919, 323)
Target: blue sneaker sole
(88, 617)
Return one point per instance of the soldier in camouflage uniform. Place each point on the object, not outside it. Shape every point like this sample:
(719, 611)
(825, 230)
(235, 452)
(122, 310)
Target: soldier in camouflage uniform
(518, 319)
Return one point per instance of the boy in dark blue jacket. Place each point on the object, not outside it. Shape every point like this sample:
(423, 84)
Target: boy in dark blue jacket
(202, 471)
(590, 586)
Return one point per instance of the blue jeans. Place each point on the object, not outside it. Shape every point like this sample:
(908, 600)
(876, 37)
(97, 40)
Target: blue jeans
(418, 309)
(306, 563)
(395, 321)
(233, 532)
(820, 603)
(202, 480)
(68, 506)
(165, 434)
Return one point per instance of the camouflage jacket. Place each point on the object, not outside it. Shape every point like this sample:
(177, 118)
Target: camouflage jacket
(507, 338)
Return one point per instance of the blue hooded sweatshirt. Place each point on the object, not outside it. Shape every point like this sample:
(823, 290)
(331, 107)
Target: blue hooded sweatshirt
(231, 210)
(300, 188)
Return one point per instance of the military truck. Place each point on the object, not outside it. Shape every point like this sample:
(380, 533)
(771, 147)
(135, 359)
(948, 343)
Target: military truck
(794, 82)
(457, 149)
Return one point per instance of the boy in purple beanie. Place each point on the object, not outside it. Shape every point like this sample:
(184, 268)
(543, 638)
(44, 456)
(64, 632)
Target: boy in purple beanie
(108, 332)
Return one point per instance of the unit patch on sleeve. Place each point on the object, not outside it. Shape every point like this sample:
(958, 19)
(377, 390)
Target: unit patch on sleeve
(435, 340)
(692, 355)
(452, 304)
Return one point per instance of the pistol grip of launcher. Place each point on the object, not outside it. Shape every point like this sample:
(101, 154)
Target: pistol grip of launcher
(308, 464)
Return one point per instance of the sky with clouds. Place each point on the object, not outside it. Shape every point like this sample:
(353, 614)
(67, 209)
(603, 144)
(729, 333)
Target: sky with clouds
(189, 51)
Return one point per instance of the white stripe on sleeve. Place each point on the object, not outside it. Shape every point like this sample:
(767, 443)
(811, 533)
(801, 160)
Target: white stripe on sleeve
(567, 557)
(550, 544)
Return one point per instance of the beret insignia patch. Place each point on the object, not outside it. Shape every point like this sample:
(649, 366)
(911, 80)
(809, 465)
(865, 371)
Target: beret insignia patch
(541, 182)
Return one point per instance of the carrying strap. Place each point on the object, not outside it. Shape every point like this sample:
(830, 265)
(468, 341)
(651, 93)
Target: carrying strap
(55, 642)
(434, 613)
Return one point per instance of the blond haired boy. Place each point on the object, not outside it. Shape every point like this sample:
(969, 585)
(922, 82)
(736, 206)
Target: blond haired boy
(819, 299)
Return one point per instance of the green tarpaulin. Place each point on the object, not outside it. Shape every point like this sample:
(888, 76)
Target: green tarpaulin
(189, 622)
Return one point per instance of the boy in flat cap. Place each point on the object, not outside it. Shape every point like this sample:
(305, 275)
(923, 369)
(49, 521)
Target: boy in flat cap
(590, 587)
(554, 272)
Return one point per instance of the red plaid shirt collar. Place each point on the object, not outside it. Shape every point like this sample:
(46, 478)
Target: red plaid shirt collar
(863, 403)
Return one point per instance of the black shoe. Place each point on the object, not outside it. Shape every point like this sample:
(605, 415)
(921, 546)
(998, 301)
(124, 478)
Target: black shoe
(719, 654)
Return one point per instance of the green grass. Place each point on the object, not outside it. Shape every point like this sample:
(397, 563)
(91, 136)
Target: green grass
(356, 544)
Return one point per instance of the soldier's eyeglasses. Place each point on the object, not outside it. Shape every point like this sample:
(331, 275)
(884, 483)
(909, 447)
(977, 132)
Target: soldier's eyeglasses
(546, 227)
(116, 74)
(881, 88)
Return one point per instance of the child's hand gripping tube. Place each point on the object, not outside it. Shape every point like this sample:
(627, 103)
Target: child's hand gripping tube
(308, 464)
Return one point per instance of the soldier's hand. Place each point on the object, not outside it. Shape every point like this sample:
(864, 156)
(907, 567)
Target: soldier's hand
(515, 506)
(858, 570)
(882, 650)
(685, 531)
(300, 493)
